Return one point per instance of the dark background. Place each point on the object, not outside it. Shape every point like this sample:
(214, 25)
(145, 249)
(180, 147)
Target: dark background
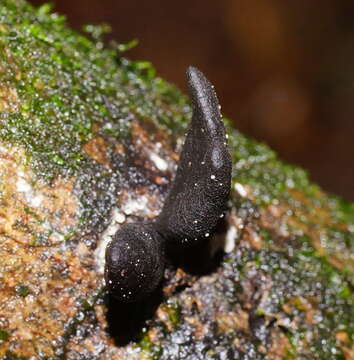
(283, 70)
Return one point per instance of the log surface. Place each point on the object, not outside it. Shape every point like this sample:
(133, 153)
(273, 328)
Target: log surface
(89, 141)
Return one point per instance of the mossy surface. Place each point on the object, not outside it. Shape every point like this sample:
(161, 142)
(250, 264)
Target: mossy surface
(69, 88)
(84, 115)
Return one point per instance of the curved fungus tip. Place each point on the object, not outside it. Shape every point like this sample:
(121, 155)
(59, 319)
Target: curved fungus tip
(203, 179)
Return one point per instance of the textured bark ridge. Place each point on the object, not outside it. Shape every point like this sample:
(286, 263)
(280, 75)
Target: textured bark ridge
(89, 141)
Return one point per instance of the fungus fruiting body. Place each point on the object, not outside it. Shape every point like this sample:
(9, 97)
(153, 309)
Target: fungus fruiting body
(134, 261)
(135, 258)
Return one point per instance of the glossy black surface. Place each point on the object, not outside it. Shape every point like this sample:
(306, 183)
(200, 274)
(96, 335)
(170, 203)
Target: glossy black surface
(135, 258)
(134, 262)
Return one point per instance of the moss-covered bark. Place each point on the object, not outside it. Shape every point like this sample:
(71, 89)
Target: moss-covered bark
(89, 140)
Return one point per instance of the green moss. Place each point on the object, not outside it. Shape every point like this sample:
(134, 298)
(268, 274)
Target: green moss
(344, 212)
(68, 85)
(63, 88)
(22, 290)
(272, 182)
(173, 312)
(4, 335)
(297, 273)
(10, 355)
(257, 166)
(150, 350)
(308, 275)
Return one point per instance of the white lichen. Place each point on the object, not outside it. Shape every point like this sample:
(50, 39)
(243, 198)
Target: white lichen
(241, 190)
(230, 239)
(158, 161)
(117, 218)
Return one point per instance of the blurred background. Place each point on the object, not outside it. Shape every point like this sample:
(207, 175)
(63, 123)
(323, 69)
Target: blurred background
(283, 69)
